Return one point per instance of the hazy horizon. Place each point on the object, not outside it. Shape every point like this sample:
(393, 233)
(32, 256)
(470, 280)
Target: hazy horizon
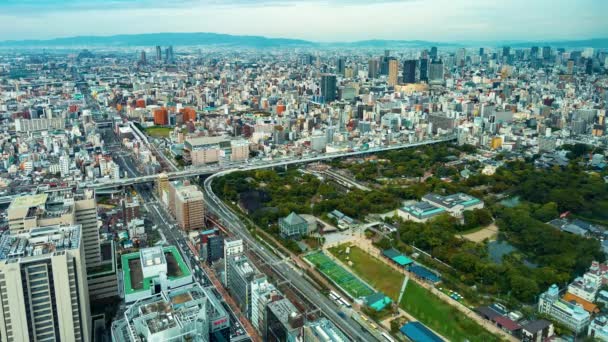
(313, 20)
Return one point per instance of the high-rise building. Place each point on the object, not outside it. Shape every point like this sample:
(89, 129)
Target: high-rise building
(322, 330)
(262, 293)
(546, 53)
(393, 72)
(241, 272)
(409, 71)
(59, 207)
(372, 68)
(231, 247)
(506, 51)
(461, 55)
(424, 70)
(189, 313)
(482, 51)
(161, 116)
(142, 57)
(340, 65)
(436, 72)
(284, 322)
(159, 54)
(328, 87)
(433, 53)
(190, 208)
(534, 52)
(43, 285)
(169, 57)
(64, 165)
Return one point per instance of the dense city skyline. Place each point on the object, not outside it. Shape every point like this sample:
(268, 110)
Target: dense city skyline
(315, 20)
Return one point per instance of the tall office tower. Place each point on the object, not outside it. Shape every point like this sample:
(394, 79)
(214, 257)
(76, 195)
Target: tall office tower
(433, 53)
(387, 53)
(189, 208)
(482, 51)
(142, 57)
(424, 70)
(534, 52)
(159, 54)
(506, 51)
(461, 54)
(341, 65)
(589, 66)
(546, 52)
(169, 57)
(409, 71)
(372, 68)
(436, 72)
(43, 285)
(328, 87)
(393, 72)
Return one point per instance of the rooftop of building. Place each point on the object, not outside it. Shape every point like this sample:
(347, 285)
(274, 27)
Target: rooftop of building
(423, 209)
(29, 201)
(242, 264)
(283, 309)
(293, 219)
(133, 273)
(39, 241)
(327, 330)
(170, 309)
(451, 201)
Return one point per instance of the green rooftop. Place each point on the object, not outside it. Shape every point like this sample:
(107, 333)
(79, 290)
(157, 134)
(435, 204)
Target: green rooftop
(132, 272)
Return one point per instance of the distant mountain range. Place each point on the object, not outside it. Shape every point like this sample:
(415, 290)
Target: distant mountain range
(216, 39)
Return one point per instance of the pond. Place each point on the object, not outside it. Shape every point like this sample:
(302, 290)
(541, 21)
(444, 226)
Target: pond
(498, 249)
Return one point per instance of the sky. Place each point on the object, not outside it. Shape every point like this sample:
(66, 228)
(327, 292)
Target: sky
(316, 20)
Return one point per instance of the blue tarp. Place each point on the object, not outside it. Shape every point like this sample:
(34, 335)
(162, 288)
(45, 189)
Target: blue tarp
(424, 273)
(417, 332)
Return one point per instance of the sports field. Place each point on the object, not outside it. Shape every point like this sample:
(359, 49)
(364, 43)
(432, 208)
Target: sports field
(418, 301)
(158, 132)
(379, 275)
(339, 275)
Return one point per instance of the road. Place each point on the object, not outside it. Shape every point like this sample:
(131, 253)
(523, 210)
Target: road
(231, 221)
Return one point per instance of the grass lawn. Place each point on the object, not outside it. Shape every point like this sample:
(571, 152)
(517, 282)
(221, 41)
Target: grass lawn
(418, 301)
(379, 275)
(159, 132)
(441, 317)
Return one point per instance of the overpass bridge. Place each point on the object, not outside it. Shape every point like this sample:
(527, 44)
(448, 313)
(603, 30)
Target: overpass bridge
(212, 169)
(107, 187)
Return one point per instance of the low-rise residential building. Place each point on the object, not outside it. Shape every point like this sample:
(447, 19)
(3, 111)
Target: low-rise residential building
(573, 316)
(537, 331)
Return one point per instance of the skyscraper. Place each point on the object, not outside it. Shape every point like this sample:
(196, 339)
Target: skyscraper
(433, 53)
(393, 72)
(328, 87)
(142, 57)
(341, 65)
(546, 52)
(482, 51)
(506, 51)
(43, 285)
(436, 72)
(169, 57)
(372, 68)
(424, 70)
(534, 52)
(409, 71)
(159, 54)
